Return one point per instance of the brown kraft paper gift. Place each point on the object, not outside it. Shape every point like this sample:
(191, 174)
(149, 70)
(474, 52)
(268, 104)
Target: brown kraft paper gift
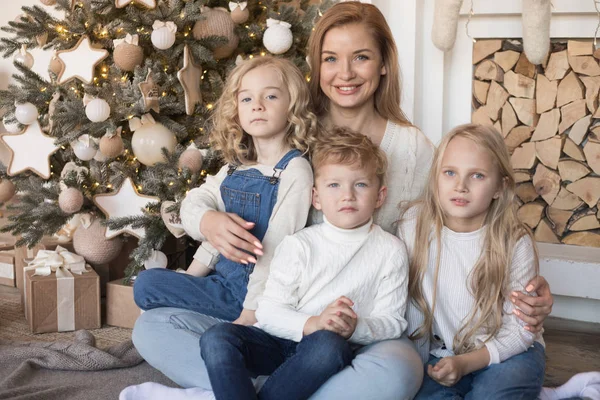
(121, 310)
(7, 268)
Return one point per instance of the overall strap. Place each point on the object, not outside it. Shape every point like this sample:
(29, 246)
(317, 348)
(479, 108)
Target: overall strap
(282, 164)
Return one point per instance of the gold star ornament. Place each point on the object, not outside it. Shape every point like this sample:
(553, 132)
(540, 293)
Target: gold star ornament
(80, 61)
(190, 77)
(146, 3)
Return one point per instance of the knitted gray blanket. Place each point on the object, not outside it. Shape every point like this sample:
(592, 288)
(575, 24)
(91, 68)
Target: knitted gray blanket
(71, 370)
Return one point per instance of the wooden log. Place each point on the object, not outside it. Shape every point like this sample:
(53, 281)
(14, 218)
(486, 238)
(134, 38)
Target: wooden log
(592, 154)
(580, 48)
(588, 239)
(566, 200)
(585, 65)
(519, 85)
(548, 151)
(592, 87)
(509, 119)
(558, 65)
(495, 100)
(531, 213)
(481, 116)
(584, 221)
(546, 182)
(524, 156)
(525, 110)
(571, 113)
(587, 189)
(572, 150)
(579, 129)
(546, 91)
(594, 134)
(517, 136)
(597, 54)
(526, 192)
(569, 89)
(498, 126)
(522, 176)
(543, 233)
(524, 67)
(506, 59)
(480, 91)
(572, 170)
(483, 48)
(547, 125)
(488, 70)
(558, 219)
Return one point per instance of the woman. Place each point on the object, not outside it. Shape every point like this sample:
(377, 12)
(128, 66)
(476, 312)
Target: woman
(355, 83)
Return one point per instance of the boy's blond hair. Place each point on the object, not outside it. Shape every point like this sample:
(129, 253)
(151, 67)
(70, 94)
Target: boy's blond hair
(343, 146)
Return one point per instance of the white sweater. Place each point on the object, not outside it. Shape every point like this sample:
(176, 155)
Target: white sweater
(289, 215)
(409, 153)
(317, 265)
(460, 252)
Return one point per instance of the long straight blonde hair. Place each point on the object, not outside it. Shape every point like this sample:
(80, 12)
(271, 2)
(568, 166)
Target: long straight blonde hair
(489, 278)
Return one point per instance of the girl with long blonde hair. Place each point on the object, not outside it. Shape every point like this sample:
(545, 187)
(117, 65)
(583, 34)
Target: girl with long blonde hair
(468, 251)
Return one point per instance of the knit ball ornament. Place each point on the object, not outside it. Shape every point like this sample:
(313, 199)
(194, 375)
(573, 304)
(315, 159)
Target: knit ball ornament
(7, 190)
(240, 16)
(97, 110)
(70, 200)
(94, 246)
(48, 2)
(56, 66)
(128, 56)
(162, 38)
(111, 147)
(217, 22)
(192, 159)
(278, 39)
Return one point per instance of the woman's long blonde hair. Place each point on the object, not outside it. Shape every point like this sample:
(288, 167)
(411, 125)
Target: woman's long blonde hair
(228, 137)
(489, 278)
(388, 93)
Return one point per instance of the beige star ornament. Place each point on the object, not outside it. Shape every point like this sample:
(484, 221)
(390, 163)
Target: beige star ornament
(125, 202)
(30, 150)
(149, 93)
(190, 77)
(80, 61)
(146, 3)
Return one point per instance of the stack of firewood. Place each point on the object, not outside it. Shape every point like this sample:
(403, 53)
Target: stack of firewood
(550, 120)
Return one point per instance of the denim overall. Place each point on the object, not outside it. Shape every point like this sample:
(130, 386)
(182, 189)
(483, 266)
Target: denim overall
(252, 196)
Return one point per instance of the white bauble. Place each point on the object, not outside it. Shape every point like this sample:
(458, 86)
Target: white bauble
(278, 39)
(162, 38)
(84, 149)
(12, 127)
(24, 58)
(149, 139)
(26, 113)
(158, 259)
(97, 110)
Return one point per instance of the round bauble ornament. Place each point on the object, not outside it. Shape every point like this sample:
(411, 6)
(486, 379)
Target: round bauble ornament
(12, 127)
(26, 113)
(48, 2)
(84, 148)
(56, 66)
(158, 259)
(239, 16)
(97, 110)
(191, 158)
(24, 57)
(70, 200)
(111, 147)
(100, 157)
(128, 56)
(7, 190)
(91, 243)
(163, 34)
(278, 37)
(149, 139)
(217, 22)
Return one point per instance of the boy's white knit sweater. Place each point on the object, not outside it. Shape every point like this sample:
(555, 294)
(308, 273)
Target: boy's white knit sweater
(460, 252)
(314, 267)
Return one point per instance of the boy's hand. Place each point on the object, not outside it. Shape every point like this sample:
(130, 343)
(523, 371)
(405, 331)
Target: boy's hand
(338, 317)
(247, 317)
(448, 371)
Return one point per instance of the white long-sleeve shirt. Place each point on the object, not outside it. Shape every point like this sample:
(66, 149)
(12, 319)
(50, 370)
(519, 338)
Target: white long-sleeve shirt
(460, 252)
(314, 267)
(409, 153)
(289, 215)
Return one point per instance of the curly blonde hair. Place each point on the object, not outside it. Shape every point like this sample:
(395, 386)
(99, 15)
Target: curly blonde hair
(228, 137)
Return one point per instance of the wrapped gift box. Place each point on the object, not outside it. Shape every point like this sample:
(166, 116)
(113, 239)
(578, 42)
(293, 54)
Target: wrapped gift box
(7, 268)
(62, 293)
(121, 310)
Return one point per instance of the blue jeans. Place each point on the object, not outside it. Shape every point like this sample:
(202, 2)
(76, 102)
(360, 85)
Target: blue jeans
(233, 354)
(169, 340)
(518, 378)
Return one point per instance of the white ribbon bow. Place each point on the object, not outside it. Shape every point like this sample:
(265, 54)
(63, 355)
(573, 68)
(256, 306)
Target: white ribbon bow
(129, 39)
(242, 5)
(170, 25)
(136, 123)
(87, 140)
(71, 166)
(61, 261)
(112, 133)
(272, 22)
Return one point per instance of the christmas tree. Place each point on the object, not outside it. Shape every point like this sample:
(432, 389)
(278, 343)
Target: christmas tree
(113, 141)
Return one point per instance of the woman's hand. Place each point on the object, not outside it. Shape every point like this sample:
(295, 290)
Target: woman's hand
(533, 310)
(247, 317)
(228, 233)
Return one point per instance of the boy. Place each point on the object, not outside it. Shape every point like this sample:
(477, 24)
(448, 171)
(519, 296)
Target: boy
(331, 285)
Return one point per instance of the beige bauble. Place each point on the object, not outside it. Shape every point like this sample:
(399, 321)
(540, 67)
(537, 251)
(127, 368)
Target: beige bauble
(70, 200)
(56, 66)
(7, 190)
(111, 147)
(149, 139)
(240, 16)
(94, 246)
(192, 159)
(217, 22)
(48, 2)
(128, 56)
